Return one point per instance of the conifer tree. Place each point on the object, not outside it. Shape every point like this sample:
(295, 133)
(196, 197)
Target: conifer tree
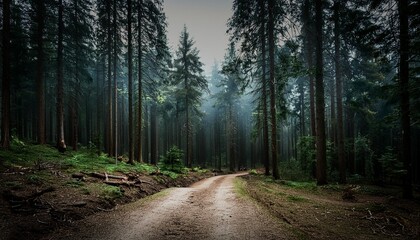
(191, 84)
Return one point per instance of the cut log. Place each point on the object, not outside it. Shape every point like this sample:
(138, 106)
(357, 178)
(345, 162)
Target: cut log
(105, 176)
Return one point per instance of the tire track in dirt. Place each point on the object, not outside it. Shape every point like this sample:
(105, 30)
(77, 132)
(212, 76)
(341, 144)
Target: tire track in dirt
(209, 209)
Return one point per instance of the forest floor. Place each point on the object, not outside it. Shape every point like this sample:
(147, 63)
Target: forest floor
(246, 206)
(336, 211)
(42, 190)
(79, 195)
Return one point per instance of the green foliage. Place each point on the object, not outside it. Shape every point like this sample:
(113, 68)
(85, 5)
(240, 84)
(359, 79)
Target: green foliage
(253, 172)
(306, 153)
(199, 170)
(75, 184)
(111, 192)
(301, 185)
(292, 170)
(170, 174)
(17, 144)
(391, 166)
(36, 178)
(86, 160)
(364, 154)
(172, 161)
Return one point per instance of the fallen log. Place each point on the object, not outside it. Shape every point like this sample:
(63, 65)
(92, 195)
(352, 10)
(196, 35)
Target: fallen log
(117, 184)
(105, 176)
(142, 181)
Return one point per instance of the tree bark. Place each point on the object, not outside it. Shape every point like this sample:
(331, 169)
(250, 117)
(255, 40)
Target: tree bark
(109, 130)
(339, 87)
(140, 84)
(115, 125)
(130, 84)
(308, 31)
(231, 139)
(405, 97)
(74, 105)
(319, 95)
(273, 112)
(40, 93)
(5, 90)
(265, 154)
(153, 134)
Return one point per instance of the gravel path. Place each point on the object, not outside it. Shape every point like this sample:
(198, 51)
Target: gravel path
(210, 209)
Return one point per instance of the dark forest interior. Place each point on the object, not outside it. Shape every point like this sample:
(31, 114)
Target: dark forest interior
(322, 92)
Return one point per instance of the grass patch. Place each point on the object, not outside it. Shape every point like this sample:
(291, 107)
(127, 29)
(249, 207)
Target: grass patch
(240, 187)
(294, 198)
(27, 155)
(301, 185)
(75, 184)
(86, 161)
(38, 178)
(111, 192)
(198, 170)
(170, 174)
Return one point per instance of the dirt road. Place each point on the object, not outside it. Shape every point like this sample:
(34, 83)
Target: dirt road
(210, 209)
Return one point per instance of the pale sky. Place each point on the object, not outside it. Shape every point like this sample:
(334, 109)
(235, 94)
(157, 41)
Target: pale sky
(206, 22)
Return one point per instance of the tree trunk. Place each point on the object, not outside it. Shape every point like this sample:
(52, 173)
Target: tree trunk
(339, 87)
(140, 83)
(405, 97)
(109, 130)
(231, 139)
(153, 134)
(308, 31)
(40, 19)
(350, 132)
(146, 138)
(115, 35)
(265, 154)
(187, 123)
(5, 93)
(320, 102)
(302, 122)
(130, 85)
(273, 112)
(74, 104)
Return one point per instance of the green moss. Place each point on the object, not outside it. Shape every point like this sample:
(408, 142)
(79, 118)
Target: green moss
(111, 192)
(38, 178)
(75, 184)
